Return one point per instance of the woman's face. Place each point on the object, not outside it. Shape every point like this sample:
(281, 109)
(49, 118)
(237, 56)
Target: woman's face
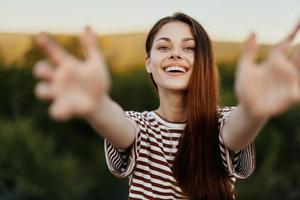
(172, 56)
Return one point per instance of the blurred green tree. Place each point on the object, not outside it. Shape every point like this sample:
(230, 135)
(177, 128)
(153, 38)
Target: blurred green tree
(42, 159)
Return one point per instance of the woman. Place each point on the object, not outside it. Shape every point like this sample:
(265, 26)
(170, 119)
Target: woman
(188, 148)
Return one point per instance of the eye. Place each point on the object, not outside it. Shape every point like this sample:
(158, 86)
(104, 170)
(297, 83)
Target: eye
(163, 48)
(189, 49)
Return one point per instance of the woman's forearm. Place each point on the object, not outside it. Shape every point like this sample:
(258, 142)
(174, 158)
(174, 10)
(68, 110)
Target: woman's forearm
(241, 128)
(109, 120)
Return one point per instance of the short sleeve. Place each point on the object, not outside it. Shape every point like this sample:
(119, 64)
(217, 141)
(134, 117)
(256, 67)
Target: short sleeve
(122, 162)
(242, 163)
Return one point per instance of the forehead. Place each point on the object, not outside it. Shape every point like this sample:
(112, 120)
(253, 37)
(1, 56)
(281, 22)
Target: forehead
(174, 30)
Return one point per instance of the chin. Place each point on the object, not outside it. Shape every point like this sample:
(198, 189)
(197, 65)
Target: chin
(177, 87)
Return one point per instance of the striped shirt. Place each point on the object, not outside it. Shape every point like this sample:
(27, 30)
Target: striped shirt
(148, 164)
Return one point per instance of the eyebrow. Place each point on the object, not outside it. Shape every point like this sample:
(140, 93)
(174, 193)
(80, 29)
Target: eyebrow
(168, 39)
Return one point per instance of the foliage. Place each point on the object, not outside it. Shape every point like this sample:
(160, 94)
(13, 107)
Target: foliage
(43, 159)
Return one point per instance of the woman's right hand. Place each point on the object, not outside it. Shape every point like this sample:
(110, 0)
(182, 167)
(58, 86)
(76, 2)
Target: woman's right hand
(75, 86)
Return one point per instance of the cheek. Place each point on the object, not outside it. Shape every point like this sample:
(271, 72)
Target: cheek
(156, 60)
(191, 59)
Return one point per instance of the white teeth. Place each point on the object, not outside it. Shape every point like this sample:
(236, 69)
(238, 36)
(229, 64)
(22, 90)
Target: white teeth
(175, 68)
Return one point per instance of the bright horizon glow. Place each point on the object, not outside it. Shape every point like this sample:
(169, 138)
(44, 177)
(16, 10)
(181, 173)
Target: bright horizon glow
(232, 20)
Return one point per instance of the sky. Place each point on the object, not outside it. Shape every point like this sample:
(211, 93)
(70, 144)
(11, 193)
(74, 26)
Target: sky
(227, 20)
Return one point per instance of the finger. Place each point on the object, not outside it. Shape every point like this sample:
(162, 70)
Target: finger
(43, 91)
(296, 93)
(70, 106)
(82, 105)
(284, 44)
(52, 50)
(43, 70)
(296, 57)
(89, 45)
(250, 49)
(60, 110)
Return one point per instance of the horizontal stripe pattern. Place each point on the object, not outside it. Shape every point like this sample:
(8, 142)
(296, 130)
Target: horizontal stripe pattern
(242, 163)
(148, 163)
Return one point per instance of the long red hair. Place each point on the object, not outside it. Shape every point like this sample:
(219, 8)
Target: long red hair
(198, 166)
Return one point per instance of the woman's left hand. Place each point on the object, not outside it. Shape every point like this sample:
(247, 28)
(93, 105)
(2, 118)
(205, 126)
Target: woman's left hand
(268, 88)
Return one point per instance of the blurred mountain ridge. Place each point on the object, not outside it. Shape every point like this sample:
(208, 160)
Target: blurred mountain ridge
(122, 51)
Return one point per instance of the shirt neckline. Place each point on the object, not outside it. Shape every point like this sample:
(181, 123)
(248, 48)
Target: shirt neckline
(177, 125)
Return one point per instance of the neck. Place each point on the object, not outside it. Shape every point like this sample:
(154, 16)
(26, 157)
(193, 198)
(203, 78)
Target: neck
(171, 106)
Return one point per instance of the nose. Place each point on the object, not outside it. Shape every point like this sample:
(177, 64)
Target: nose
(175, 54)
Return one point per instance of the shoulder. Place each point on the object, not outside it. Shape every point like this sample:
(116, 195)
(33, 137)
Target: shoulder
(136, 114)
(226, 109)
(138, 117)
(224, 112)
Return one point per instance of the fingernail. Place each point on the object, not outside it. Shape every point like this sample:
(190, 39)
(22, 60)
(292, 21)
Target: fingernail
(42, 38)
(88, 29)
(38, 70)
(42, 89)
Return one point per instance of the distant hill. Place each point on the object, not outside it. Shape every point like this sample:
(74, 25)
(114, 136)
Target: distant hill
(13, 47)
(122, 51)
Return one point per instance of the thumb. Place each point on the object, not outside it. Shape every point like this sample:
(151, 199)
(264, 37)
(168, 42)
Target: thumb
(296, 57)
(250, 49)
(89, 45)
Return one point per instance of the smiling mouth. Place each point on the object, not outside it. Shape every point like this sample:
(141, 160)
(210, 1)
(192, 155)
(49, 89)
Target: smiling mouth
(175, 69)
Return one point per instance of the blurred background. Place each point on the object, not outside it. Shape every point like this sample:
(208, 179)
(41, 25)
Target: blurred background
(43, 159)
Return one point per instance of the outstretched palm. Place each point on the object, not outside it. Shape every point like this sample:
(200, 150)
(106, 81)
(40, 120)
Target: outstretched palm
(271, 87)
(75, 86)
